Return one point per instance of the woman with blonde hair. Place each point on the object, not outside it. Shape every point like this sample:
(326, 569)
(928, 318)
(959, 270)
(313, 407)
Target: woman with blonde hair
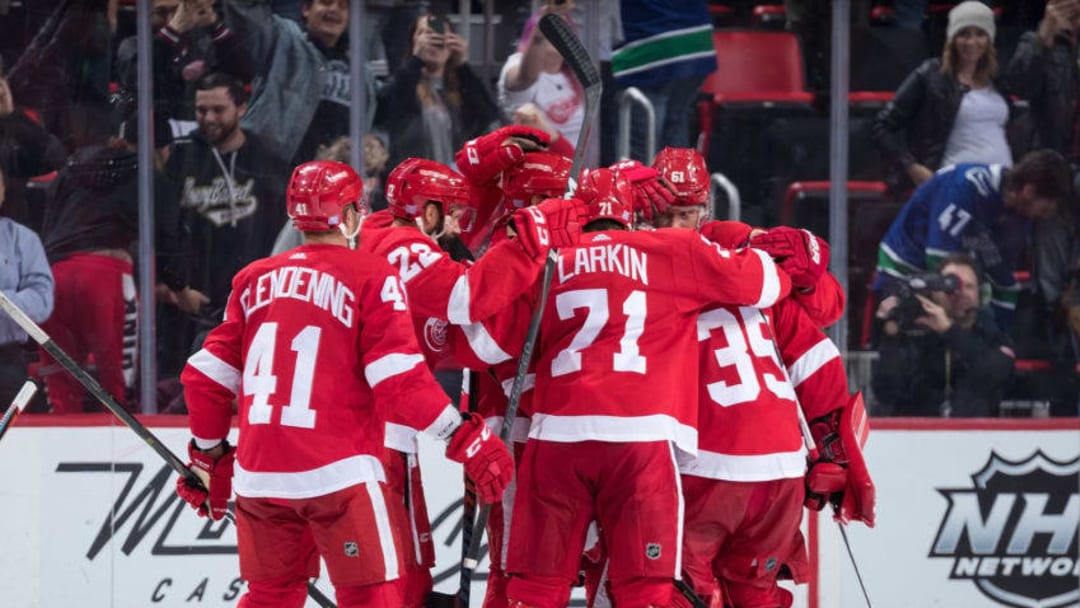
(950, 110)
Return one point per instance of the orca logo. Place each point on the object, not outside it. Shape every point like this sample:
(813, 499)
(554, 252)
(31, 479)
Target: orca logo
(1014, 533)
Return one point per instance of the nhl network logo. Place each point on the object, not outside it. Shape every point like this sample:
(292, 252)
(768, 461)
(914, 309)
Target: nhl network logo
(1014, 532)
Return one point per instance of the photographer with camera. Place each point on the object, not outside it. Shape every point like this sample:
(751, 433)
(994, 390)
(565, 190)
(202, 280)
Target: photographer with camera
(941, 351)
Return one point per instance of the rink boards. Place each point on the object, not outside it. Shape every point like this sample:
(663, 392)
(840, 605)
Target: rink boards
(977, 513)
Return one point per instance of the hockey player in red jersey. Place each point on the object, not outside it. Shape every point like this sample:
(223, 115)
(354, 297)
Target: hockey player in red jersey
(419, 194)
(537, 176)
(317, 349)
(610, 403)
(508, 170)
(440, 290)
(745, 489)
(482, 161)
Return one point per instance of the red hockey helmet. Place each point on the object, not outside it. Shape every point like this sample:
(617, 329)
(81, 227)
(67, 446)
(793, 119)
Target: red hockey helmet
(684, 169)
(318, 192)
(419, 181)
(607, 194)
(538, 173)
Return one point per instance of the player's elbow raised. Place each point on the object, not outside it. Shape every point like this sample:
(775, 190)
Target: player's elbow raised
(775, 283)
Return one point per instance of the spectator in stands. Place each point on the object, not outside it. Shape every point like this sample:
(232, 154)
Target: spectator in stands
(228, 188)
(952, 360)
(161, 12)
(434, 102)
(950, 110)
(667, 52)
(26, 150)
(1044, 71)
(982, 210)
(26, 280)
(64, 72)
(302, 86)
(537, 74)
(91, 226)
(189, 42)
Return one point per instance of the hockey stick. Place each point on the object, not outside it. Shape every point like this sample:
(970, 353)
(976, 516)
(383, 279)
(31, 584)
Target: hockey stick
(811, 447)
(556, 30)
(17, 406)
(95, 389)
(468, 514)
(688, 592)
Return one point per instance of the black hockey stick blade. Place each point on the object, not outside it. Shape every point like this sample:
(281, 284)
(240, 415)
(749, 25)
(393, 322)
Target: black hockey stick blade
(684, 588)
(38, 335)
(17, 406)
(316, 596)
(442, 600)
(468, 508)
(559, 34)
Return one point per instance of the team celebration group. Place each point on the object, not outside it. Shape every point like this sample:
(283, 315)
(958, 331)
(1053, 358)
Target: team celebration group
(681, 408)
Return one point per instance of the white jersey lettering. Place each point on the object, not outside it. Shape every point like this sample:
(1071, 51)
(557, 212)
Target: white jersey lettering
(618, 258)
(322, 290)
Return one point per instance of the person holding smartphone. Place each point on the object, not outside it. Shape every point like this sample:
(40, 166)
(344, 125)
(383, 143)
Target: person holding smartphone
(536, 74)
(434, 102)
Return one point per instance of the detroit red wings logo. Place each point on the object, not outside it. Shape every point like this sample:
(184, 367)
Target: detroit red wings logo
(435, 335)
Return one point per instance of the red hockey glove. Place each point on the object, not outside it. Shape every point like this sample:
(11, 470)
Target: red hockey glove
(480, 160)
(838, 475)
(487, 461)
(827, 475)
(651, 198)
(727, 234)
(215, 475)
(555, 222)
(800, 253)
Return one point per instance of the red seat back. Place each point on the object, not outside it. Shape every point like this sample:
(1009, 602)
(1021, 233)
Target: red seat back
(756, 65)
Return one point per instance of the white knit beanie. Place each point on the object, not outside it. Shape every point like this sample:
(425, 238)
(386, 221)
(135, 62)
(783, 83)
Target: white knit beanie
(970, 13)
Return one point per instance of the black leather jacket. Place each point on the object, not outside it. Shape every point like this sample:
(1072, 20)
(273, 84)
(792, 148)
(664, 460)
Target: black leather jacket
(1049, 79)
(915, 125)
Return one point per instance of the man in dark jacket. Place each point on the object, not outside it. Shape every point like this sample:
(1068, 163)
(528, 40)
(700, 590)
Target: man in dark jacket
(26, 150)
(1044, 71)
(952, 360)
(189, 41)
(229, 191)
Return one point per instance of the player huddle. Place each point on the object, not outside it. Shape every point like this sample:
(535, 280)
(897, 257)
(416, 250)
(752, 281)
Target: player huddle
(657, 446)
